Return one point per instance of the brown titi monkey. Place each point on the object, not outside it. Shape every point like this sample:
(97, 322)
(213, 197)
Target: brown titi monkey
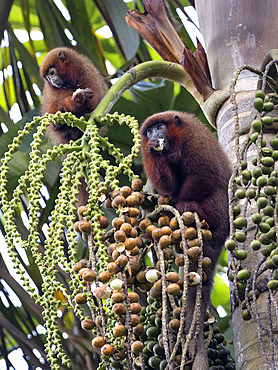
(183, 160)
(72, 84)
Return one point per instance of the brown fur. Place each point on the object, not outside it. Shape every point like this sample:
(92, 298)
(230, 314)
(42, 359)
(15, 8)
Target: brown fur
(75, 72)
(194, 171)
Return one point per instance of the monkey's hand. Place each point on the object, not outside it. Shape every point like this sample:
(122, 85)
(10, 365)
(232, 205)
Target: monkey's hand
(80, 97)
(157, 145)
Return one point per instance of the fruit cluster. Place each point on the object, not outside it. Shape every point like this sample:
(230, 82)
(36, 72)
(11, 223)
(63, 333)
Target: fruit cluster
(255, 187)
(139, 307)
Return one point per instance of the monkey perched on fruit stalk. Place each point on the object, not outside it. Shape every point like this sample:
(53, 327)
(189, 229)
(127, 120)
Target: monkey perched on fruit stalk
(182, 159)
(72, 84)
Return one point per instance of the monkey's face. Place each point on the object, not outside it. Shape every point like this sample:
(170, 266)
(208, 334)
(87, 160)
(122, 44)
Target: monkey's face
(157, 138)
(59, 70)
(53, 78)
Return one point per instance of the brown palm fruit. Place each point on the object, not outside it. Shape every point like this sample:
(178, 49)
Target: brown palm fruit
(80, 299)
(115, 255)
(164, 241)
(133, 212)
(190, 233)
(141, 277)
(98, 342)
(122, 260)
(137, 185)
(119, 309)
(176, 236)
(150, 229)
(111, 248)
(139, 330)
(174, 225)
(114, 194)
(135, 251)
(120, 236)
(167, 253)
(133, 233)
(126, 228)
(163, 199)
(89, 276)
(140, 196)
(166, 230)
(139, 242)
(87, 324)
(119, 201)
(156, 233)
(137, 346)
(133, 297)
(188, 218)
(157, 287)
(179, 260)
(120, 331)
(163, 221)
(172, 277)
(85, 226)
(193, 254)
(206, 262)
(177, 312)
(118, 297)
(125, 191)
(180, 283)
(145, 287)
(113, 268)
(173, 289)
(130, 243)
(135, 308)
(174, 324)
(104, 276)
(194, 243)
(144, 224)
(108, 350)
(133, 200)
(108, 203)
(117, 223)
(131, 220)
(80, 264)
(130, 281)
(178, 248)
(135, 320)
(104, 223)
(206, 234)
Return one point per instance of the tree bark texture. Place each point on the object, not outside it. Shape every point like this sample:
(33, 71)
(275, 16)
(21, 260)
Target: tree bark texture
(240, 33)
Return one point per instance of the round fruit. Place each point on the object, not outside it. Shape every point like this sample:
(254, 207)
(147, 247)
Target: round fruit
(240, 222)
(243, 274)
(240, 236)
(240, 254)
(258, 104)
(98, 342)
(257, 125)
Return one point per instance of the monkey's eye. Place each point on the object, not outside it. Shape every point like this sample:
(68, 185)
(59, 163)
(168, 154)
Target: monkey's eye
(149, 132)
(51, 71)
(160, 127)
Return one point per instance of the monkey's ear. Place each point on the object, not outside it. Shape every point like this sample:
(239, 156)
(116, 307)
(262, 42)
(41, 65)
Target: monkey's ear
(61, 55)
(177, 120)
